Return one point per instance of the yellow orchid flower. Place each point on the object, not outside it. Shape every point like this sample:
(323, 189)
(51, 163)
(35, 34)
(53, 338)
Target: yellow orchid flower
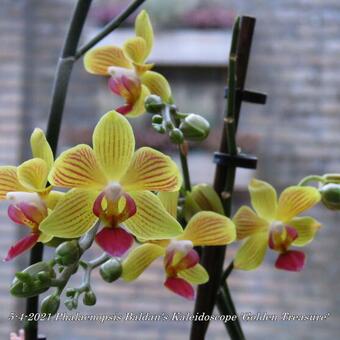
(181, 261)
(115, 183)
(26, 188)
(275, 223)
(130, 76)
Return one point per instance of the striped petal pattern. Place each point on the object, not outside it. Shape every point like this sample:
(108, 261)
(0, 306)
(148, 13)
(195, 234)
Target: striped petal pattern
(113, 144)
(207, 228)
(157, 84)
(41, 148)
(136, 49)
(151, 170)
(295, 200)
(143, 29)
(33, 174)
(73, 216)
(9, 181)
(139, 259)
(196, 275)
(248, 223)
(151, 221)
(252, 252)
(98, 60)
(77, 168)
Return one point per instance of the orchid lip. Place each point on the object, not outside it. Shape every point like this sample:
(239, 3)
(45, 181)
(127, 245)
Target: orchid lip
(183, 246)
(116, 71)
(113, 191)
(25, 197)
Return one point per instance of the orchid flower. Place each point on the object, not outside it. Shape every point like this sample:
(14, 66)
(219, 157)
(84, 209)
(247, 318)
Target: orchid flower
(116, 182)
(181, 261)
(26, 188)
(130, 75)
(275, 223)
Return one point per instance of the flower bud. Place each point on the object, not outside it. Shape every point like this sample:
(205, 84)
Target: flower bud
(207, 198)
(89, 298)
(195, 127)
(32, 281)
(154, 104)
(330, 196)
(50, 305)
(111, 270)
(158, 128)
(176, 136)
(68, 253)
(157, 119)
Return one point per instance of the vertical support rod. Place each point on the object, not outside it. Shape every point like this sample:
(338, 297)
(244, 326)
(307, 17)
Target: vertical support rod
(213, 257)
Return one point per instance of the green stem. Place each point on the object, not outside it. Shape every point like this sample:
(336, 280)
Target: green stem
(111, 26)
(185, 168)
(312, 178)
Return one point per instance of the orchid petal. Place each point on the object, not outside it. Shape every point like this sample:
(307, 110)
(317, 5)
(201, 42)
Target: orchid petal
(78, 168)
(114, 241)
(252, 252)
(72, 217)
(151, 170)
(295, 200)
(263, 199)
(143, 29)
(248, 223)
(195, 275)
(157, 84)
(181, 287)
(292, 260)
(136, 49)
(306, 228)
(113, 144)
(139, 259)
(151, 221)
(9, 181)
(207, 228)
(53, 198)
(98, 60)
(137, 108)
(21, 246)
(45, 238)
(33, 173)
(169, 201)
(41, 148)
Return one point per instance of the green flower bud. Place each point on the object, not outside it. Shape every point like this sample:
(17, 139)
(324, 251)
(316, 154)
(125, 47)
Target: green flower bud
(111, 270)
(69, 304)
(50, 305)
(70, 292)
(154, 104)
(68, 253)
(207, 198)
(195, 127)
(89, 298)
(157, 119)
(176, 136)
(32, 281)
(158, 128)
(330, 196)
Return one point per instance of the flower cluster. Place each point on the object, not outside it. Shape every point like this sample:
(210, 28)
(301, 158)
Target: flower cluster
(132, 202)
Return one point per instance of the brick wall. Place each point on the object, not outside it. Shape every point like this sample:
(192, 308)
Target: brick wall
(295, 59)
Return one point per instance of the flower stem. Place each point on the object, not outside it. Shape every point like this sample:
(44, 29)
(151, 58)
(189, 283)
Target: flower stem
(312, 178)
(227, 272)
(185, 167)
(111, 26)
